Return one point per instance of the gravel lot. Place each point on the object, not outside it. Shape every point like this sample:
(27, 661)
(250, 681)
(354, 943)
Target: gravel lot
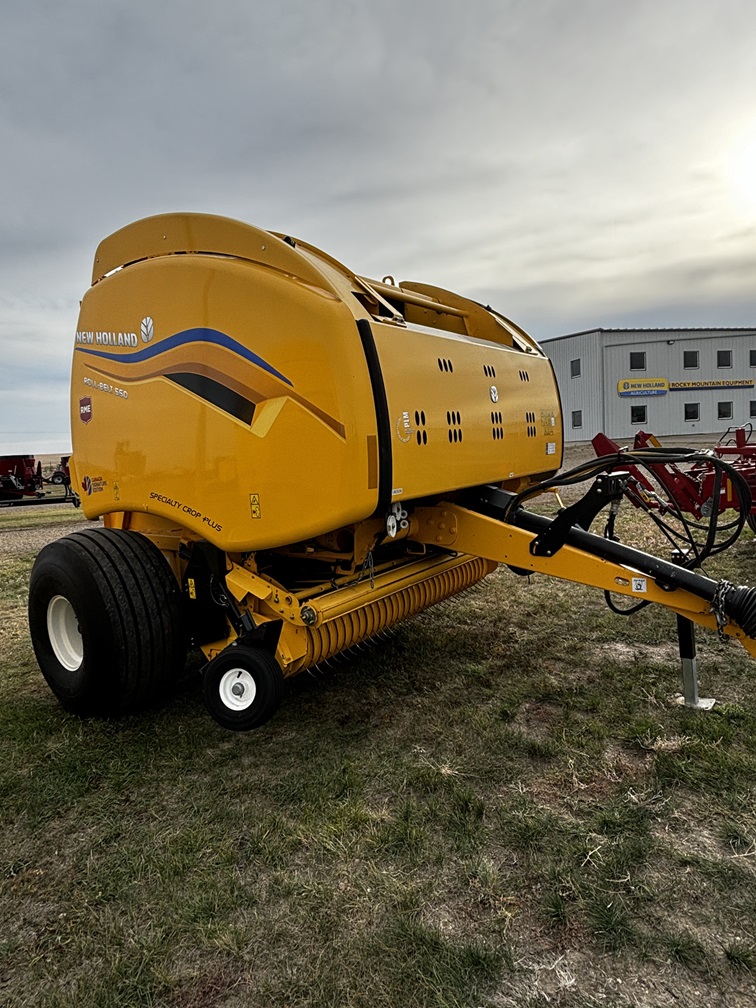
(31, 540)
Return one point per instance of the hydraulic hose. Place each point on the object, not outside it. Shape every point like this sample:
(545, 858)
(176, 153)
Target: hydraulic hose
(739, 604)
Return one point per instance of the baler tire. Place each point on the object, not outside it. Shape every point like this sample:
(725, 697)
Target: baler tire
(258, 677)
(58, 479)
(106, 621)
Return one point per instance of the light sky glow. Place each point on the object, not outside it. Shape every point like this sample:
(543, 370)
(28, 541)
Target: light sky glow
(574, 163)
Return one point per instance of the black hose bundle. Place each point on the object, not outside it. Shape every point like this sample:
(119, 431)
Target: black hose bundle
(692, 548)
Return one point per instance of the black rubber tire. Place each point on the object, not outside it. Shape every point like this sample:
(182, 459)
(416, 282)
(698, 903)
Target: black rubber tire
(259, 667)
(58, 479)
(127, 604)
(751, 519)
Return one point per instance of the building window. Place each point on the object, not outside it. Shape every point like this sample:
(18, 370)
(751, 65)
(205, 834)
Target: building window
(724, 411)
(724, 358)
(638, 360)
(752, 358)
(691, 411)
(637, 414)
(575, 368)
(753, 408)
(577, 418)
(690, 359)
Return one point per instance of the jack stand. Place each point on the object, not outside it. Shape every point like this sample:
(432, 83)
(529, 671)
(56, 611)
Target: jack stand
(686, 635)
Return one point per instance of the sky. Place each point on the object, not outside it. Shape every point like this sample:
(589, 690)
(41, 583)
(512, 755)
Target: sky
(573, 163)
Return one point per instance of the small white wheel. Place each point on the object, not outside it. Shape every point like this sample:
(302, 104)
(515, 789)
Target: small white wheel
(64, 633)
(243, 687)
(237, 689)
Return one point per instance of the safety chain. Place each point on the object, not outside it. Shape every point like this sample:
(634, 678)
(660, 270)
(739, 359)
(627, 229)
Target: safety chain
(368, 568)
(721, 592)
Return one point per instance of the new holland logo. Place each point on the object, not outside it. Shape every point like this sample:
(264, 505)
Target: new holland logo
(148, 330)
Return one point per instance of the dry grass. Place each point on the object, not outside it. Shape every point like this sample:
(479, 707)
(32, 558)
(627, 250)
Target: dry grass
(504, 806)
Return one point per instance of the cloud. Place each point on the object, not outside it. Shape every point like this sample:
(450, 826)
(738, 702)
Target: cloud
(567, 160)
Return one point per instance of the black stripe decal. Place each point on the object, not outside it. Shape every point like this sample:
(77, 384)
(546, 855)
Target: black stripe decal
(383, 421)
(219, 395)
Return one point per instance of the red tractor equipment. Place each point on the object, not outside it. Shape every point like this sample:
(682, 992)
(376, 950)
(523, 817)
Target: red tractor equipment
(699, 489)
(20, 476)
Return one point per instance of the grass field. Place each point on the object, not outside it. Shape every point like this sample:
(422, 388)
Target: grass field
(502, 806)
(15, 519)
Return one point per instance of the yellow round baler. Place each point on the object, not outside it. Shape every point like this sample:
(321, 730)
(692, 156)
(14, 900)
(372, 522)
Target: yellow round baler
(289, 458)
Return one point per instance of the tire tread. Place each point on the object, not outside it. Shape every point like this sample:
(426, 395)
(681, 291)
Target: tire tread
(142, 605)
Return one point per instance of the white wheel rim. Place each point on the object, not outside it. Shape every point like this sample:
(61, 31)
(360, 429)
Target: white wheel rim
(63, 631)
(237, 689)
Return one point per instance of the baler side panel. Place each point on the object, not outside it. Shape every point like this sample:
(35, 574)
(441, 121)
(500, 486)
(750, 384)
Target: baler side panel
(465, 412)
(226, 396)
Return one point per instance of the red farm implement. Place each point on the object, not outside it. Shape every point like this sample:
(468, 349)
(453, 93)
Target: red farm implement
(689, 484)
(20, 477)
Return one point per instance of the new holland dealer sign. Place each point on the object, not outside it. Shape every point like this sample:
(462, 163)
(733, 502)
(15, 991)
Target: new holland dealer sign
(660, 386)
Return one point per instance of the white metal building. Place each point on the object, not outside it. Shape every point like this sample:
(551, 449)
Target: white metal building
(666, 381)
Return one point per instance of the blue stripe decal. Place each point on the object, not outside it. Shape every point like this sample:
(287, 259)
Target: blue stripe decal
(198, 335)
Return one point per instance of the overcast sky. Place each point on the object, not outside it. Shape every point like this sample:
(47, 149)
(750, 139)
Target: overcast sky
(575, 163)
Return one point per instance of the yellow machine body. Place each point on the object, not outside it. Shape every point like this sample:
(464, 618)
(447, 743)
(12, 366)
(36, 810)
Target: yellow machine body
(253, 391)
